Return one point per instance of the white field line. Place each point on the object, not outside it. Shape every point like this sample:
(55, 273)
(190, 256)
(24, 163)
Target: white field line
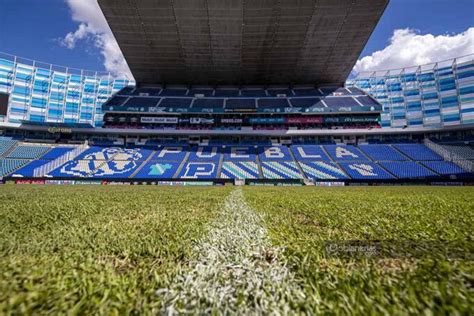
(237, 271)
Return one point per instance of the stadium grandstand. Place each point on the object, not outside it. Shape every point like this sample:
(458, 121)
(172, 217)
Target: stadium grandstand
(238, 92)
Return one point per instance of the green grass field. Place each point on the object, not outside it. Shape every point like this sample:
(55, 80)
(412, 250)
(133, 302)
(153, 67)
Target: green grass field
(121, 250)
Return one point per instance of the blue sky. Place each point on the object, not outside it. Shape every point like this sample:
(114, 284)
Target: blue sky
(39, 29)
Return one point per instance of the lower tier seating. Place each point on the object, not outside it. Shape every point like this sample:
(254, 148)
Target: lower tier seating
(418, 152)
(280, 170)
(407, 169)
(445, 168)
(365, 170)
(316, 162)
(464, 151)
(28, 152)
(239, 170)
(7, 166)
(6, 144)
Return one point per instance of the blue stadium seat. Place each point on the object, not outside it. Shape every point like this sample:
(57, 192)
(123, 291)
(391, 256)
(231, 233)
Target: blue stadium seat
(150, 91)
(56, 152)
(340, 102)
(210, 103)
(367, 101)
(199, 170)
(418, 152)
(28, 170)
(307, 92)
(239, 170)
(322, 170)
(253, 93)
(6, 144)
(173, 92)
(7, 166)
(158, 170)
(170, 153)
(240, 153)
(28, 152)
(205, 153)
(142, 101)
(273, 103)
(382, 153)
(117, 101)
(445, 168)
(365, 171)
(238, 104)
(276, 92)
(309, 153)
(280, 170)
(345, 153)
(227, 93)
(274, 153)
(407, 169)
(176, 102)
(107, 163)
(205, 92)
(306, 102)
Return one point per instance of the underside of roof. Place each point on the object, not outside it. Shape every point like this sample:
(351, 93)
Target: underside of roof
(242, 42)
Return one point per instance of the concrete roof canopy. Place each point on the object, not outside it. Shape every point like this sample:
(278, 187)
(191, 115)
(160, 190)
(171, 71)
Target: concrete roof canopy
(242, 42)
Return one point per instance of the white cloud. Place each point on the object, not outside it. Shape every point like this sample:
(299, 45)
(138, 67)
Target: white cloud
(93, 27)
(409, 48)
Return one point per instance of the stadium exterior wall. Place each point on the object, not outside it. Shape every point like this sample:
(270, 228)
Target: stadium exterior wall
(42, 92)
(434, 95)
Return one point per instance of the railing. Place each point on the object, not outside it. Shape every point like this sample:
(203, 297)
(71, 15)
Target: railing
(43, 170)
(450, 156)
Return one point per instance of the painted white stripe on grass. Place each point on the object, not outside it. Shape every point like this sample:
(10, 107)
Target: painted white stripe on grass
(237, 269)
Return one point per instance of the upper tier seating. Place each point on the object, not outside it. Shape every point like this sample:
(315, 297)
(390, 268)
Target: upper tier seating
(208, 103)
(28, 152)
(227, 93)
(150, 91)
(307, 92)
(382, 153)
(276, 92)
(142, 101)
(117, 101)
(306, 102)
(407, 169)
(273, 103)
(367, 101)
(126, 91)
(418, 152)
(254, 93)
(340, 101)
(176, 102)
(240, 104)
(204, 92)
(173, 92)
